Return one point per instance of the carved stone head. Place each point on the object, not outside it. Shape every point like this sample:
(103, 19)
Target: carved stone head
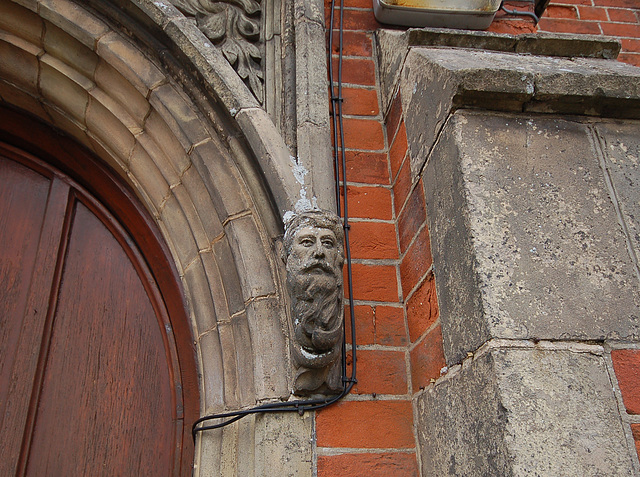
(314, 255)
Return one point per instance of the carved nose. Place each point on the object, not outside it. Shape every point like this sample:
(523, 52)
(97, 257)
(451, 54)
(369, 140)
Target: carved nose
(318, 251)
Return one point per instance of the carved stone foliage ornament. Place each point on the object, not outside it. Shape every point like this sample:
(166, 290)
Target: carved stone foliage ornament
(234, 27)
(314, 255)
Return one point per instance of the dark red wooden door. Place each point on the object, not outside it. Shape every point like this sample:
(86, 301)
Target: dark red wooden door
(91, 380)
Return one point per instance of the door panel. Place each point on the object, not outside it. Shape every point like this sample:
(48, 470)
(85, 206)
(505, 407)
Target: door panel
(23, 200)
(91, 359)
(106, 373)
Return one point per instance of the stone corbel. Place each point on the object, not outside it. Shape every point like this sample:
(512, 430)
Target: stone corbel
(314, 256)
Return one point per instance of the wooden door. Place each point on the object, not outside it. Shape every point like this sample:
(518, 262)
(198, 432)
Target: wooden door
(93, 375)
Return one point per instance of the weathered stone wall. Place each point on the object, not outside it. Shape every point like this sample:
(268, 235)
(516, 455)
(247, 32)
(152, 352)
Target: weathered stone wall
(529, 212)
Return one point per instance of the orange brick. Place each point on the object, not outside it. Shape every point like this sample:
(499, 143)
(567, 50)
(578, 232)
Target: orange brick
(412, 217)
(365, 332)
(427, 359)
(635, 429)
(620, 29)
(389, 326)
(367, 167)
(592, 13)
(626, 363)
(630, 58)
(393, 117)
(578, 2)
(616, 3)
(360, 102)
(631, 45)
(402, 187)
(561, 11)
(354, 43)
(559, 25)
(416, 262)
(512, 27)
(360, 71)
(381, 372)
(422, 308)
(398, 150)
(366, 425)
(385, 464)
(362, 20)
(363, 134)
(369, 202)
(374, 282)
(373, 240)
(622, 15)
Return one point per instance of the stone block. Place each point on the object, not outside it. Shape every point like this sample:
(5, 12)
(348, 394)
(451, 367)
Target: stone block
(525, 239)
(76, 21)
(180, 115)
(231, 289)
(108, 126)
(165, 142)
(11, 94)
(19, 62)
(273, 156)
(161, 12)
(183, 243)
(311, 74)
(212, 381)
(221, 179)
(63, 121)
(149, 177)
(250, 254)
(63, 46)
(231, 374)
(200, 296)
(315, 156)
(266, 318)
(312, 10)
(199, 195)
(284, 445)
(64, 87)
(620, 144)
(119, 115)
(193, 216)
(516, 412)
(21, 22)
(130, 62)
(435, 81)
(170, 167)
(122, 91)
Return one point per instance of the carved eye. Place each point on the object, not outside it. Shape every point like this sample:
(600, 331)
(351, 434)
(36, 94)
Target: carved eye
(306, 242)
(328, 243)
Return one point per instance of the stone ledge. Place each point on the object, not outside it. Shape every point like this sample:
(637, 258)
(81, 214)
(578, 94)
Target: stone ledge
(544, 44)
(436, 81)
(524, 51)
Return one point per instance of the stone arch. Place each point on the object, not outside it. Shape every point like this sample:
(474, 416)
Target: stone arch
(199, 152)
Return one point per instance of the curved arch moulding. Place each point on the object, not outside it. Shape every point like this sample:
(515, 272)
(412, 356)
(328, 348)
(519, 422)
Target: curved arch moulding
(141, 87)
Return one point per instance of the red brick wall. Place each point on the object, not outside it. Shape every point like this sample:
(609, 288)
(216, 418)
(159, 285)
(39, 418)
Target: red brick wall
(371, 431)
(626, 363)
(614, 18)
(399, 339)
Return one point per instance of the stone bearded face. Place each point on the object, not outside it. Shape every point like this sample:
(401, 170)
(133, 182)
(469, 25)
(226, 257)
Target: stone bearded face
(314, 258)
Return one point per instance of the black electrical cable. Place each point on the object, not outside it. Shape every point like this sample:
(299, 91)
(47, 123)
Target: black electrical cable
(301, 406)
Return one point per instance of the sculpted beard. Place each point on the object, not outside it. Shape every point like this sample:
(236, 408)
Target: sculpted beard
(316, 292)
